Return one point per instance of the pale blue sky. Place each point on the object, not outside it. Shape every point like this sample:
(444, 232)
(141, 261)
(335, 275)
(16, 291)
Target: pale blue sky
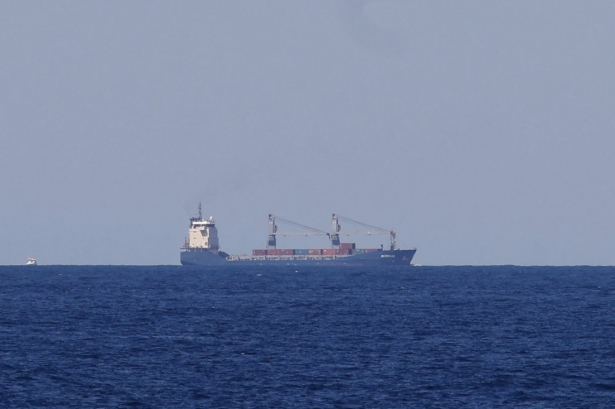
(482, 131)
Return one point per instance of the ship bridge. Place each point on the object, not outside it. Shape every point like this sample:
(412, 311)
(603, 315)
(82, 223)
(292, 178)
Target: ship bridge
(202, 234)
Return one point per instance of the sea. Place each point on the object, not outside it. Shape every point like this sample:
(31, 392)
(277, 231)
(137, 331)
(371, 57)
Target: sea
(307, 337)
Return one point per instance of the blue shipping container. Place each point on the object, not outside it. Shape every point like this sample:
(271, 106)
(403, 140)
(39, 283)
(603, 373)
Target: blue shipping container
(301, 252)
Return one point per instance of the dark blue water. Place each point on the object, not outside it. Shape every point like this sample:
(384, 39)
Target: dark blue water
(445, 337)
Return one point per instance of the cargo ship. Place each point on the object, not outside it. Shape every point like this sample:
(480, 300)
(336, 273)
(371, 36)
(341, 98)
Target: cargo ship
(201, 247)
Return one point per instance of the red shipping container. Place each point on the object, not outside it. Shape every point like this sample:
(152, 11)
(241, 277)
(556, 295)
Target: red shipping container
(371, 250)
(343, 251)
(328, 252)
(274, 252)
(259, 252)
(314, 252)
(289, 252)
(347, 245)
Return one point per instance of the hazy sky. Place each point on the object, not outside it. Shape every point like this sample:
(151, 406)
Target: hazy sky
(482, 131)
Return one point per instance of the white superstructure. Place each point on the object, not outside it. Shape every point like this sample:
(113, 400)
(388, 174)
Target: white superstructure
(31, 261)
(202, 234)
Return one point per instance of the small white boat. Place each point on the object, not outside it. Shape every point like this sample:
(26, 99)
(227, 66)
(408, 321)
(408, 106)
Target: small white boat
(31, 261)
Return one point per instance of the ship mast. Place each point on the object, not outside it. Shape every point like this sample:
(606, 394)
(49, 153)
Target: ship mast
(273, 229)
(335, 235)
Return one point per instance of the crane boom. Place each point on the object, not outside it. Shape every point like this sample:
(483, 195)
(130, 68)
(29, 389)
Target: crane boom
(273, 230)
(335, 241)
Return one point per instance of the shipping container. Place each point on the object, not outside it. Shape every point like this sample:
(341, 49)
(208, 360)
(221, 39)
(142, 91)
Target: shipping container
(301, 252)
(314, 252)
(343, 252)
(358, 251)
(347, 245)
(259, 252)
(274, 252)
(371, 250)
(328, 252)
(287, 252)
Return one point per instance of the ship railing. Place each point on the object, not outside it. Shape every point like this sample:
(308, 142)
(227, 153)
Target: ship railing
(283, 257)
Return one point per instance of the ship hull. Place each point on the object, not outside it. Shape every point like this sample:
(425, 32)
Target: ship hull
(201, 258)
(375, 258)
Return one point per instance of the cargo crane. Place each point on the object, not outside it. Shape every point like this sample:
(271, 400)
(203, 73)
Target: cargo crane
(373, 230)
(273, 230)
